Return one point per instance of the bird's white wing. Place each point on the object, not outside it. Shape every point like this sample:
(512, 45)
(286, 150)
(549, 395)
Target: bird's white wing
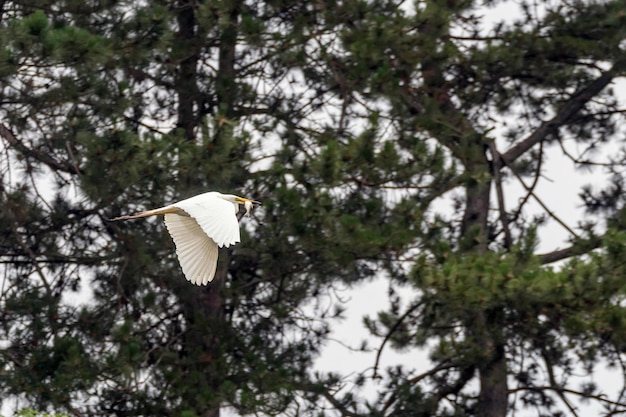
(216, 216)
(197, 252)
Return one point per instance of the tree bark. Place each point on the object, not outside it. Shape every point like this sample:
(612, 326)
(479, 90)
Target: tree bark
(470, 147)
(225, 83)
(493, 396)
(185, 83)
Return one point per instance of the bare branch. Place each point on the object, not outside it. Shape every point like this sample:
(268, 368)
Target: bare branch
(18, 259)
(600, 398)
(324, 392)
(542, 204)
(508, 240)
(530, 190)
(578, 159)
(562, 117)
(43, 157)
(553, 383)
(578, 248)
(390, 333)
(537, 174)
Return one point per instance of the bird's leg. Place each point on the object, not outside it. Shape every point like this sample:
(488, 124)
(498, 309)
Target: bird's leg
(155, 212)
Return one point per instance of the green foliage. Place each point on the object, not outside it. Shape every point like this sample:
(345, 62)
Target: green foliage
(29, 412)
(366, 130)
(516, 286)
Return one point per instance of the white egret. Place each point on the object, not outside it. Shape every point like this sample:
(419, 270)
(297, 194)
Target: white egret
(198, 226)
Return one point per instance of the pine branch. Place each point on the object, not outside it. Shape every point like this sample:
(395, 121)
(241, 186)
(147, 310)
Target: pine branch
(321, 389)
(465, 375)
(563, 116)
(579, 248)
(27, 250)
(390, 333)
(394, 396)
(42, 157)
(601, 397)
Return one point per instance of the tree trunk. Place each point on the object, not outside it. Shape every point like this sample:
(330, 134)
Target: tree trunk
(493, 395)
(203, 306)
(492, 369)
(185, 84)
(492, 400)
(225, 83)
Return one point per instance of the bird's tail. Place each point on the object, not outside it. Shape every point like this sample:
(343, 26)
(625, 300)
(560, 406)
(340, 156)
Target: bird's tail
(147, 213)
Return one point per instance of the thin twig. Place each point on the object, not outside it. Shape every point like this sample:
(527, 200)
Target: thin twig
(578, 161)
(508, 240)
(600, 398)
(321, 390)
(389, 334)
(543, 205)
(553, 382)
(532, 186)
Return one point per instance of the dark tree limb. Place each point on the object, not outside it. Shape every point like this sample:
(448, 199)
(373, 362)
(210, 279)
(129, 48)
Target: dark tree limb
(563, 116)
(321, 389)
(600, 398)
(390, 333)
(578, 248)
(542, 204)
(553, 382)
(508, 240)
(42, 157)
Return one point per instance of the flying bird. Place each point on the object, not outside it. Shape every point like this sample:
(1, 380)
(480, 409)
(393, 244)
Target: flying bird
(198, 226)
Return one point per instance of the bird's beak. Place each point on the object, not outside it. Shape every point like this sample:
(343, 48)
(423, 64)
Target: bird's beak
(242, 200)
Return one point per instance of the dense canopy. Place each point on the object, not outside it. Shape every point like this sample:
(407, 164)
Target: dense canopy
(392, 140)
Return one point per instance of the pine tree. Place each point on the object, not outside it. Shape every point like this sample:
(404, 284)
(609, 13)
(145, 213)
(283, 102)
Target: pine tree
(470, 113)
(109, 107)
(350, 121)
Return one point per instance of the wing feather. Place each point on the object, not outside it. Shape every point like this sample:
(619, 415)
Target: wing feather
(216, 216)
(197, 252)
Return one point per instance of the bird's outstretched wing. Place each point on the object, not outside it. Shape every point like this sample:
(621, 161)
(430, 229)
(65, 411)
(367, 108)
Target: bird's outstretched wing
(197, 252)
(216, 216)
(198, 226)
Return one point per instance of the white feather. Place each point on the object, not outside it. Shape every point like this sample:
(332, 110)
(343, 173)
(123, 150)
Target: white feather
(199, 226)
(216, 216)
(197, 252)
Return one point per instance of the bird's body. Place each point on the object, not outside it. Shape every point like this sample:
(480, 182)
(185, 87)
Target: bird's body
(199, 226)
